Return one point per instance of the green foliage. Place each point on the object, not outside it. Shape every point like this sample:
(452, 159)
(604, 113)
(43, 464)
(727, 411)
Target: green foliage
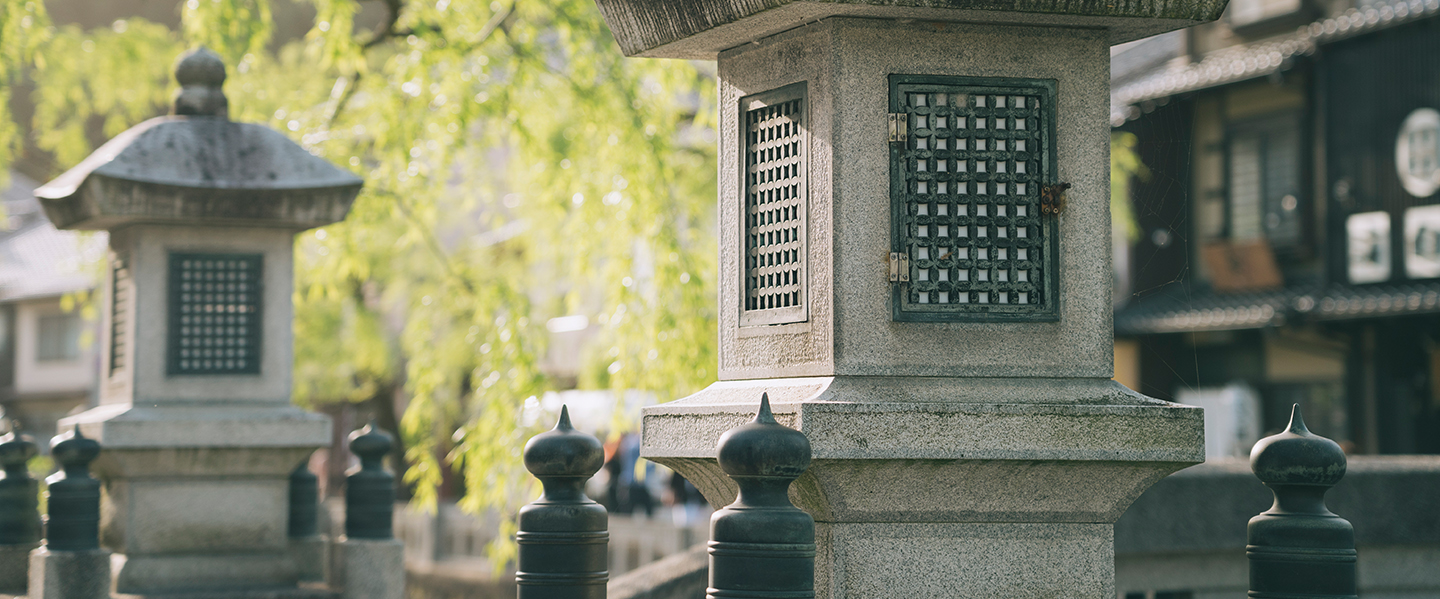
(517, 168)
(1125, 166)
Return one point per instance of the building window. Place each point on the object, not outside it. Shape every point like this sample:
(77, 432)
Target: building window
(59, 338)
(1265, 182)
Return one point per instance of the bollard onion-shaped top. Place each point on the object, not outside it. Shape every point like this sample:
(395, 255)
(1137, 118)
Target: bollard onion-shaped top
(563, 451)
(1297, 457)
(15, 452)
(200, 74)
(764, 447)
(371, 444)
(74, 451)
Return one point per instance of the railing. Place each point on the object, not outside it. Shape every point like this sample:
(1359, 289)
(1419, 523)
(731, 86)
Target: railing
(68, 563)
(762, 546)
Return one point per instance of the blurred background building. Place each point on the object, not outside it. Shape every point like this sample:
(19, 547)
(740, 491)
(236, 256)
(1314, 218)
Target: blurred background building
(1286, 249)
(48, 359)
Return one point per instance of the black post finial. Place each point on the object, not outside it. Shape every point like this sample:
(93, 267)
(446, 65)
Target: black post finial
(1298, 547)
(19, 492)
(564, 534)
(74, 496)
(762, 543)
(304, 520)
(370, 489)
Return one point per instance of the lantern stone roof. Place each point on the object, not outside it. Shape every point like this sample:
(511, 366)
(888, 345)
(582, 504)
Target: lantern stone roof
(199, 167)
(701, 29)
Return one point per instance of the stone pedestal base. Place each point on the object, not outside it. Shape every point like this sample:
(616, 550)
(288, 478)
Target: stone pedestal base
(312, 557)
(69, 574)
(949, 487)
(196, 496)
(370, 569)
(965, 560)
(15, 568)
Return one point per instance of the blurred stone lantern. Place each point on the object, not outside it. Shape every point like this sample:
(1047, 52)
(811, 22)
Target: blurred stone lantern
(915, 265)
(195, 415)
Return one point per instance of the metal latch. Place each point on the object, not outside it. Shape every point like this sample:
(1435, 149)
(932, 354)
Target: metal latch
(1052, 198)
(899, 267)
(899, 126)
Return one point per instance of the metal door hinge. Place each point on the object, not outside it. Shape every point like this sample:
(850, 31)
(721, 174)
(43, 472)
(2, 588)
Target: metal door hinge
(899, 126)
(1052, 198)
(899, 267)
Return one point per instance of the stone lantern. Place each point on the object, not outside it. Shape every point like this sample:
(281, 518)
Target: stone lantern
(915, 266)
(195, 415)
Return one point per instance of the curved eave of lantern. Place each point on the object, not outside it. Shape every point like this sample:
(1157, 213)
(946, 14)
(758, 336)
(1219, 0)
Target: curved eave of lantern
(1251, 61)
(701, 29)
(200, 170)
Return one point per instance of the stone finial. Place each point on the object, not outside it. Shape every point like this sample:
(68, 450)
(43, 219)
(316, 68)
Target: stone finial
(563, 535)
(200, 74)
(764, 448)
(15, 452)
(304, 519)
(562, 453)
(1297, 457)
(762, 543)
(370, 489)
(1298, 547)
(19, 493)
(74, 496)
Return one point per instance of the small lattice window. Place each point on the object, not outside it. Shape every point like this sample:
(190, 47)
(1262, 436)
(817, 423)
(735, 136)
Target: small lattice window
(966, 182)
(215, 303)
(774, 187)
(119, 314)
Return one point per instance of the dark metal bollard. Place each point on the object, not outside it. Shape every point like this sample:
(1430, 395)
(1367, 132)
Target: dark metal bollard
(370, 489)
(304, 502)
(1298, 548)
(563, 535)
(74, 496)
(761, 545)
(19, 492)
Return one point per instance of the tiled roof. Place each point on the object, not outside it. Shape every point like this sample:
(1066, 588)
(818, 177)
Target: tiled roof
(36, 259)
(1182, 312)
(1242, 62)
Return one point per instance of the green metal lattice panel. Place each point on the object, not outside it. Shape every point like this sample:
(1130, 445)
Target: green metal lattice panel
(215, 313)
(970, 160)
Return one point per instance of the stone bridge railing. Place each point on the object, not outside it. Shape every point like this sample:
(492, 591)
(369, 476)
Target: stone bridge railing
(762, 546)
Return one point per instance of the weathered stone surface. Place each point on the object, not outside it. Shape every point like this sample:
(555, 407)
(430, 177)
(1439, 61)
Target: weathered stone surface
(196, 170)
(702, 29)
(15, 568)
(312, 558)
(370, 568)
(845, 64)
(199, 572)
(143, 379)
(69, 574)
(680, 576)
(965, 561)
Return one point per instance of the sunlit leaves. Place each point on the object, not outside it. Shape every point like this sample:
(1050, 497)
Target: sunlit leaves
(232, 28)
(517, 169)
(1125, 165)
(117, 76)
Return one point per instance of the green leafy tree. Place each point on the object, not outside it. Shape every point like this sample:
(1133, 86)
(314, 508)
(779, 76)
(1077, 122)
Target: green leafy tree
(517, 168)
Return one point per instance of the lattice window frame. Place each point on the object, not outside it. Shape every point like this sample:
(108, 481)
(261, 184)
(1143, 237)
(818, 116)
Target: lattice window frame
(955, 273)
(234, 305)
(121, 296)
(774, 272)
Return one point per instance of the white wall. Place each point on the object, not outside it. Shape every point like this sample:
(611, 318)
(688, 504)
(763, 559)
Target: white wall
(36, 377)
